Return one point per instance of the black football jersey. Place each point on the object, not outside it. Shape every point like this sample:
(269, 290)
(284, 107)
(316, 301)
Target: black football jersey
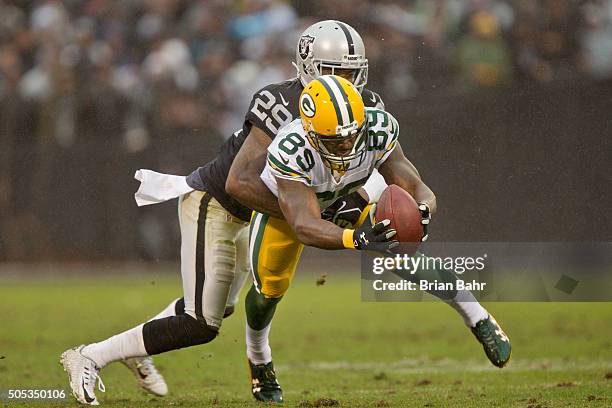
(271, 108)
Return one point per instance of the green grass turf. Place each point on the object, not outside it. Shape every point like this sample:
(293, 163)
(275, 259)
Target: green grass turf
(329, 348)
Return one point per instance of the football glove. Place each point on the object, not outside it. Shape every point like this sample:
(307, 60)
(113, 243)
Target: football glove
(425, 218)
(345, 211)
(377, 237)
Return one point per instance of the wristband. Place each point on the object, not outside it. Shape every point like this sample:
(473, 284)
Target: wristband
(347, 238)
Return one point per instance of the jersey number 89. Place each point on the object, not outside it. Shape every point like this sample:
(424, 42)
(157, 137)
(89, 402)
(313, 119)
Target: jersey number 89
(290, 145)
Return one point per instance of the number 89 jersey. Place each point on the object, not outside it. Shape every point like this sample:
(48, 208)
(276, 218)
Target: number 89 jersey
(291, 157)
(271, 108)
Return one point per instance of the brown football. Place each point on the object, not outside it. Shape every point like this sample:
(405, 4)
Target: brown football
(399, 207)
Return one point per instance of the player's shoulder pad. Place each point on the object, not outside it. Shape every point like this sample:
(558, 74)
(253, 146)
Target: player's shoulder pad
(371, 99)
(290, 155)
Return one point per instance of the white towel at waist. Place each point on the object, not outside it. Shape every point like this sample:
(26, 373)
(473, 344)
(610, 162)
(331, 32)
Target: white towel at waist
(158, 187)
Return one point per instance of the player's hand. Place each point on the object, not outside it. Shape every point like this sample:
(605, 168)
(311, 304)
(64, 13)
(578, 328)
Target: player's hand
(345, 211)
(377, 237)
(425, 218)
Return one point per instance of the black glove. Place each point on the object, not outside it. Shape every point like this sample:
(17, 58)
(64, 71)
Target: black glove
(346, 210)
(425, 218)
(375, 237)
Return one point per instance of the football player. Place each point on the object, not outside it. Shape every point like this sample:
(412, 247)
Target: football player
(330, 151)
(214, 233)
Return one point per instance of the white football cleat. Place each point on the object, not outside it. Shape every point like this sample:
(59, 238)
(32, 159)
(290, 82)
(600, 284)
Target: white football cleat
(82, 375)
(147, 375)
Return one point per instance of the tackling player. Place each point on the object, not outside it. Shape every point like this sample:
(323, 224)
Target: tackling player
(329, 152)
(214, 233)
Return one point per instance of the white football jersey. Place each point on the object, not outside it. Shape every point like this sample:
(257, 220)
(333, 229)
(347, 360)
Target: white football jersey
(292, 157)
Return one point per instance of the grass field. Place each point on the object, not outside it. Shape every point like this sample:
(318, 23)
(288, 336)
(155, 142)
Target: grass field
(330, 349)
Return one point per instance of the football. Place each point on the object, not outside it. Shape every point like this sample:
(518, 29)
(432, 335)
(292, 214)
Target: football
(399, 207)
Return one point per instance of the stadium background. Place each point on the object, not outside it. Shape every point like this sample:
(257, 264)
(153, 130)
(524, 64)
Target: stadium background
(504, 106)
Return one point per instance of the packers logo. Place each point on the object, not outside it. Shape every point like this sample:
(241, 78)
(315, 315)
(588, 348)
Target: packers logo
(305, 46)
(307, 106)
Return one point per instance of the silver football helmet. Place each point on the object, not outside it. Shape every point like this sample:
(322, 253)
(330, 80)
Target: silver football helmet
(333, 45)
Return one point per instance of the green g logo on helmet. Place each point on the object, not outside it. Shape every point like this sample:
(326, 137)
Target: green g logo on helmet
(307, 105)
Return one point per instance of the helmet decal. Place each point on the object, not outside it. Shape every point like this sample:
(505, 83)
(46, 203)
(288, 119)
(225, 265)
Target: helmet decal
(349, 37)
(327, 46)
(307, 105)
(305, 45)
(339, 99)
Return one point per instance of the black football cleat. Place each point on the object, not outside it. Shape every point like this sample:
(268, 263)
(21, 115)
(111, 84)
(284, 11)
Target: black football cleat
(494, 341)
(264, 385)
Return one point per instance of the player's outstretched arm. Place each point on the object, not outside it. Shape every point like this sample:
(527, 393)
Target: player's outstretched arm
(398, 170)
(301, 208)
(243, 182)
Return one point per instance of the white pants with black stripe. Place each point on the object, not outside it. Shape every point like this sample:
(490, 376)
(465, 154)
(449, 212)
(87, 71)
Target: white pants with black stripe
(214, 256)
(214, 267)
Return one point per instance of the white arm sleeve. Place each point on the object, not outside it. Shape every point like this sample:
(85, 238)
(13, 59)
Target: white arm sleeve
(375, 186)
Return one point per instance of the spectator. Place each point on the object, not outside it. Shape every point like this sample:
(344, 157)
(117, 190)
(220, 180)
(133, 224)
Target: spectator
(483, 57)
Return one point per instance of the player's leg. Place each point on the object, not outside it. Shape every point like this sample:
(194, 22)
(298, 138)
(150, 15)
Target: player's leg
(482, 324)
(84, 362)
(208, 259)
(174, 331)
(243, 271)
(226, 262)
(201, 319)
(174, 308)
(274, 253)
(224, 236)
(143, 368)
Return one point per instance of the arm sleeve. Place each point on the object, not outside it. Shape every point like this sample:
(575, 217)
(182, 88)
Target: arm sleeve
(375, 186)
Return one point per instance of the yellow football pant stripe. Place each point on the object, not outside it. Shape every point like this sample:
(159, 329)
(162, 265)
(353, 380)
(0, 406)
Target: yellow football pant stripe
(275, 252)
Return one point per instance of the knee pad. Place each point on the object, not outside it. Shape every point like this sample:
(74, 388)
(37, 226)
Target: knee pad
(175, 332)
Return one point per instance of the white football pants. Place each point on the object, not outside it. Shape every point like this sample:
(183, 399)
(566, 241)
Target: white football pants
(214, 256)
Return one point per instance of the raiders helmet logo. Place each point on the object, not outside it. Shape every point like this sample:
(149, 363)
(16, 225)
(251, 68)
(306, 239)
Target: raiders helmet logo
(305, 45)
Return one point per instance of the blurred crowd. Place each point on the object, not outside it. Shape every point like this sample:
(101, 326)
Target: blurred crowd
(90, 90)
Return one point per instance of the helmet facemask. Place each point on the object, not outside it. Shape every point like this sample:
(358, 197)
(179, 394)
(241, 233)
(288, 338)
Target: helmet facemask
(313, 69)
(343, 150)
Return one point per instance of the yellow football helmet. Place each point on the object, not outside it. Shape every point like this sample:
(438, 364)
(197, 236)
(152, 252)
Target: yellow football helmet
(333, 116)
